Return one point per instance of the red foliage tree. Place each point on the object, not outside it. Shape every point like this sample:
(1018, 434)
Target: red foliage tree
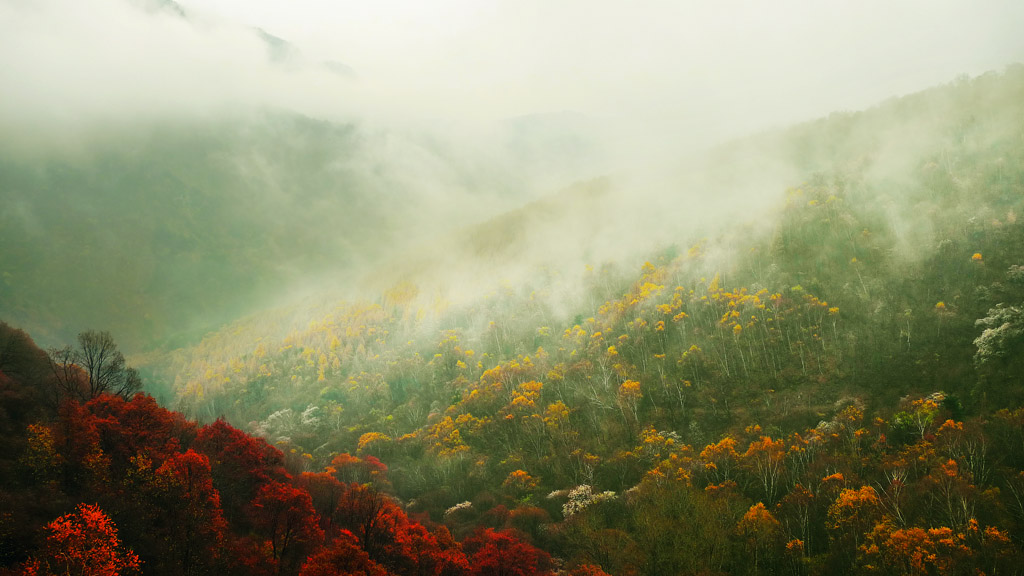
(197, 526)
(240, 465)
(138, 426)
(248, 557)
(502, 554)
(391, 540)
(343, 557)
(84, 543)
(77, 441)
(418, 552)
(325, 491)
(284, 515)
(372, 517)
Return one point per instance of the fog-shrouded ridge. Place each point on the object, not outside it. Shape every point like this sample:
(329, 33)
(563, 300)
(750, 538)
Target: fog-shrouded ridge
(166, 167)
(906, 177)
(449, 287)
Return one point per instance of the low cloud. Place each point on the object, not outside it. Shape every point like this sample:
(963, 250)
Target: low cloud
(462, 110)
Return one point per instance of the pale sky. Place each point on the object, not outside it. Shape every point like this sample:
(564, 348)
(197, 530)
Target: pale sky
(664, 69)
(652, 61)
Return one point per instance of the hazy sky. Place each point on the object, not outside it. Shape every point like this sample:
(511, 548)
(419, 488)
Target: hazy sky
(683, 69)
(653, 59)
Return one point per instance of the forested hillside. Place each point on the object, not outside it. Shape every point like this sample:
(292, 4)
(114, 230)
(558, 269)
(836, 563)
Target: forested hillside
(829, 385)
(100, 484)
(818, 377)
(511, 288)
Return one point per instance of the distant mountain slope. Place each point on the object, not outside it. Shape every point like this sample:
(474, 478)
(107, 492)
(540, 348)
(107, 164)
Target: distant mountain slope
(912, 159)
(833, 327)
(172, 229)
(904, 219)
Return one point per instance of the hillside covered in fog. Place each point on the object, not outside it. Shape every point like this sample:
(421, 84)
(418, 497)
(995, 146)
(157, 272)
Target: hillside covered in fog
(827, 335)
(481, 289)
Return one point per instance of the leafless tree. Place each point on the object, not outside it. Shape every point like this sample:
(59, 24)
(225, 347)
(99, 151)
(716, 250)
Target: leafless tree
(95, 367)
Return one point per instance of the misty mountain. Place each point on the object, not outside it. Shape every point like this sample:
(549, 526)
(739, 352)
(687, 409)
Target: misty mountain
(544, 289)
(908, 192)
(847, 341)
(561, 146)
(171, 229)
(733, 193)
(161, 7)
(280, 52)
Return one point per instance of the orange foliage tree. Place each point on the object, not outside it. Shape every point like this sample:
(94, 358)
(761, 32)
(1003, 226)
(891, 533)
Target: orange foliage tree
(852, 514)
(760, 531)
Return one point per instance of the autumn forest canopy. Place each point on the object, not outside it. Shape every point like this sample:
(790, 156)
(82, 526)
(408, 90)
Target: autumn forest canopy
(268, 339)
